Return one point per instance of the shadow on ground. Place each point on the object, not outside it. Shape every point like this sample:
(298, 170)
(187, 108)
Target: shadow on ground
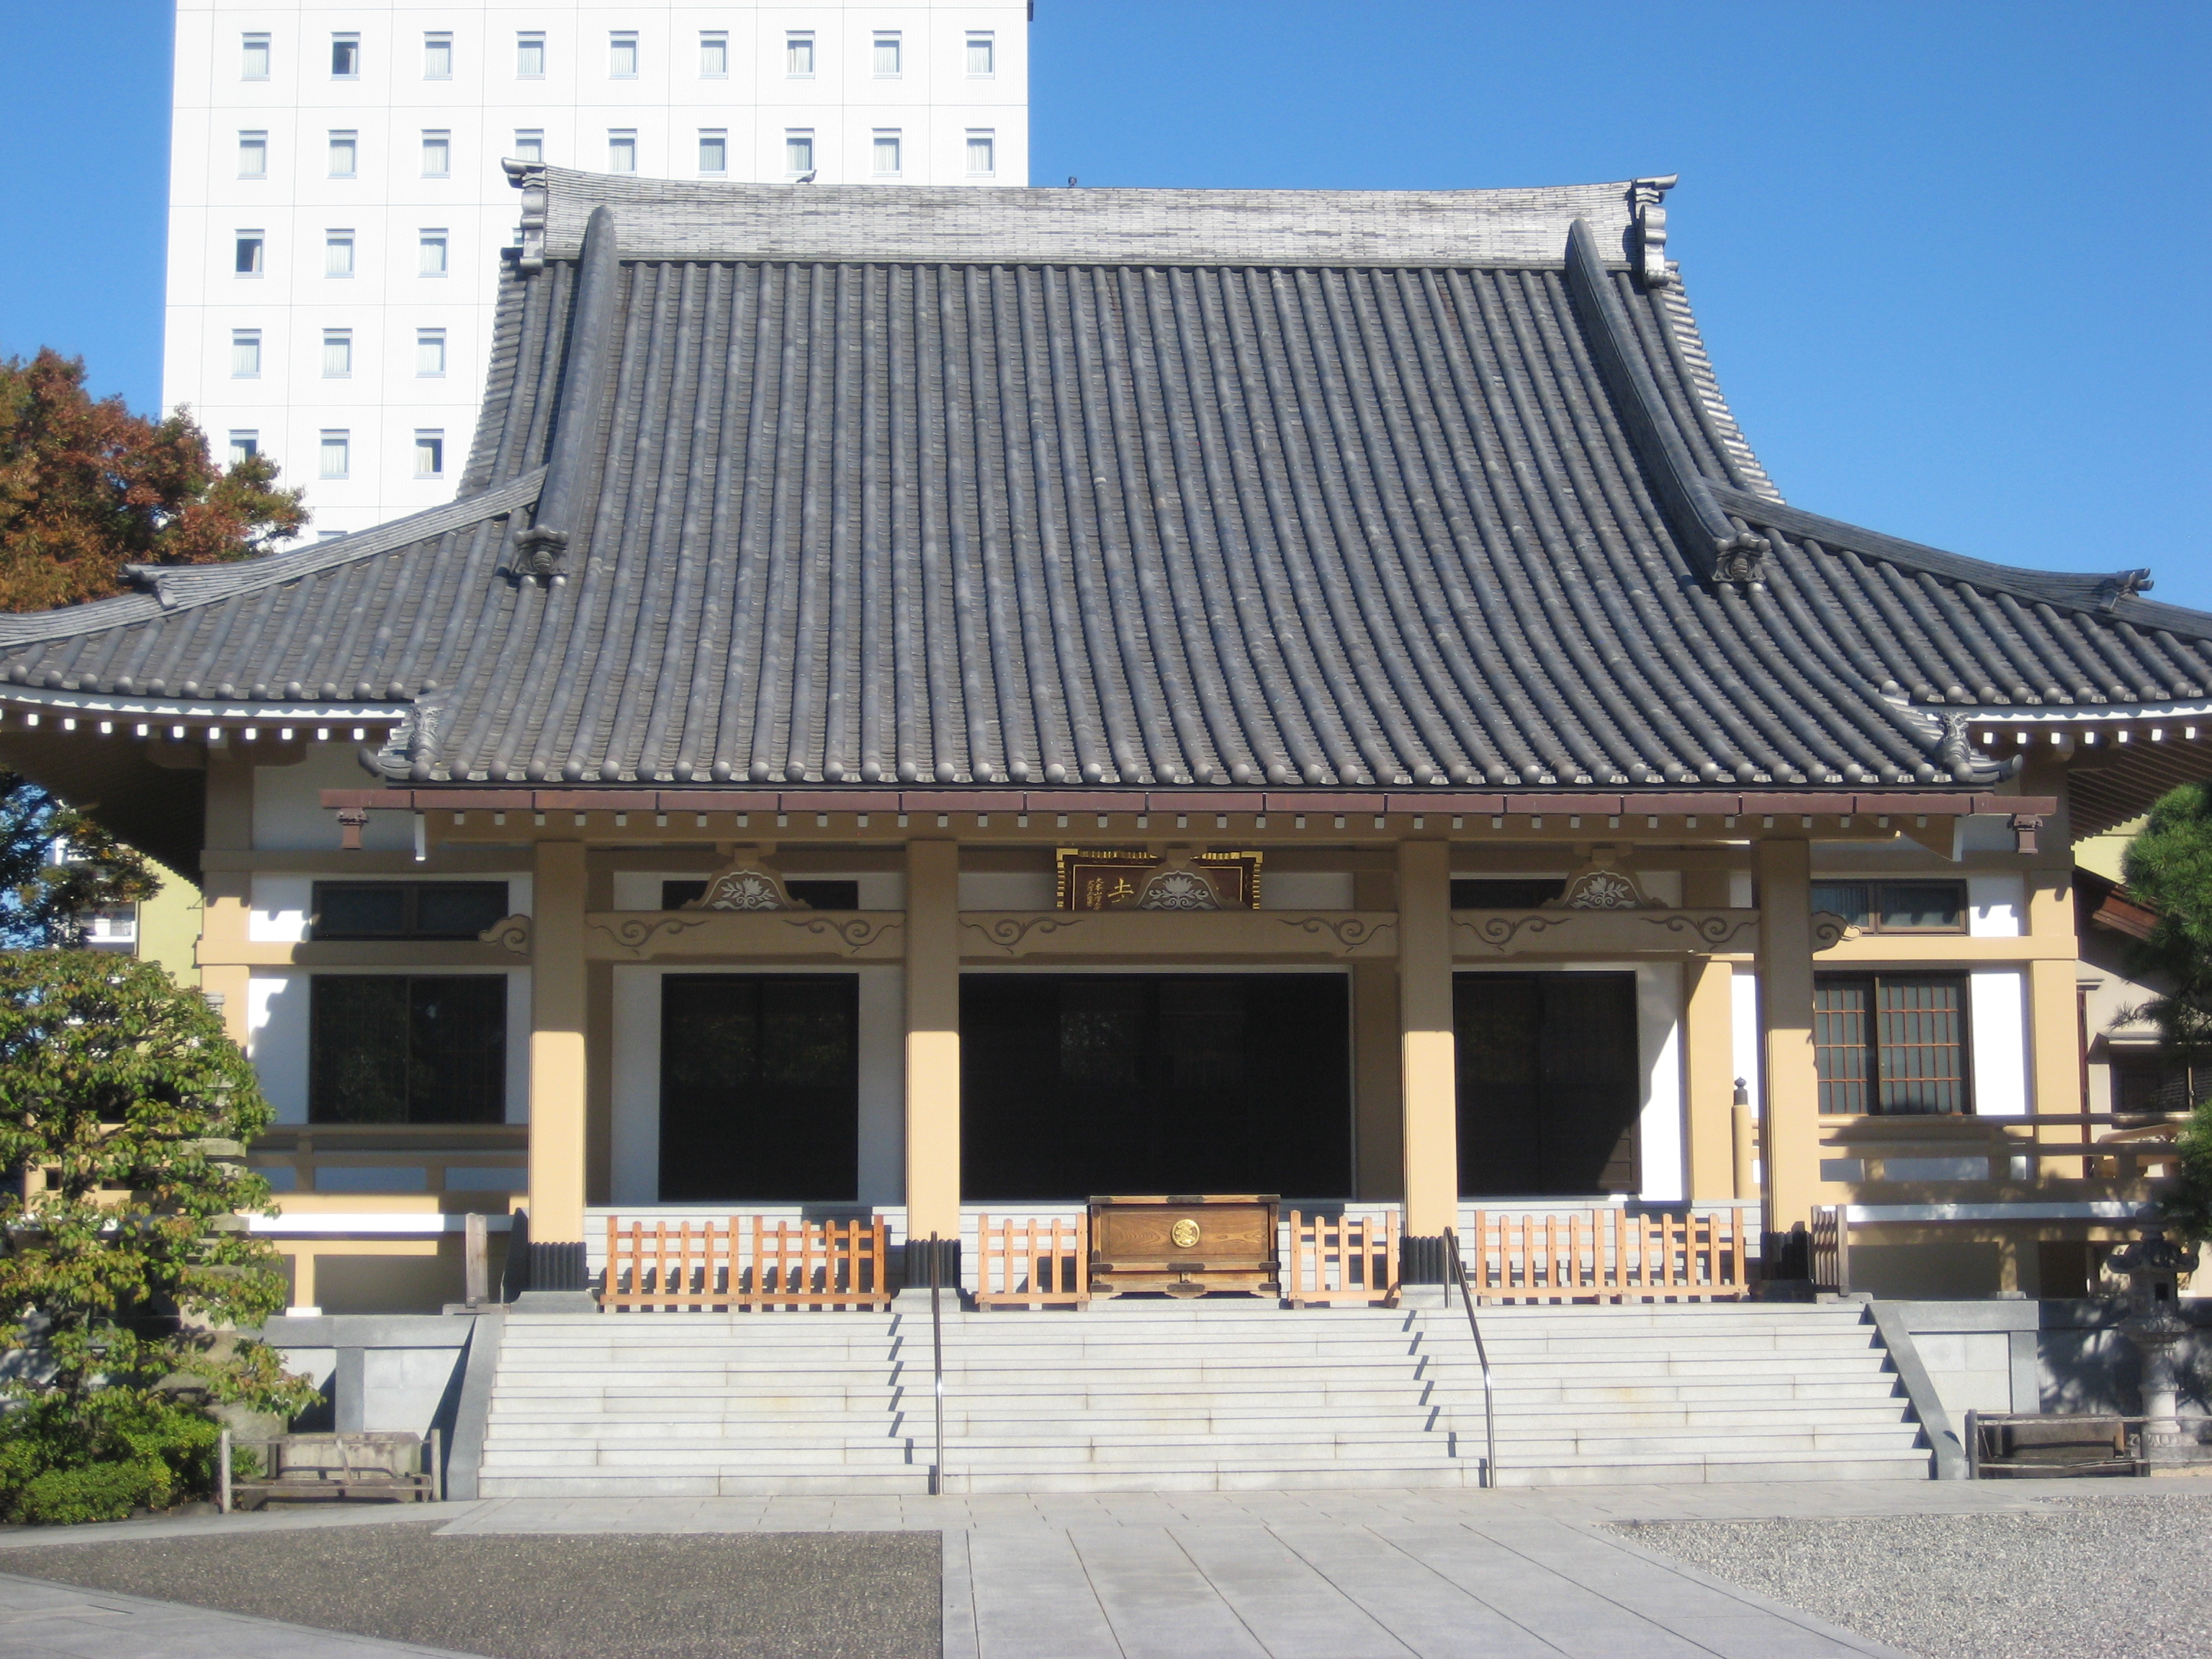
(730, 1595)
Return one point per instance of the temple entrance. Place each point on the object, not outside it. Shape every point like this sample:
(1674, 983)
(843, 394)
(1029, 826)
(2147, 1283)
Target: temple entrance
(1548, 1083)
(1077, 1084)
(759, 1087)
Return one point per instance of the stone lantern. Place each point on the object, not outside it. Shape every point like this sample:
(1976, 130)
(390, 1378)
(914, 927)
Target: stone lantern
(2155, 1266)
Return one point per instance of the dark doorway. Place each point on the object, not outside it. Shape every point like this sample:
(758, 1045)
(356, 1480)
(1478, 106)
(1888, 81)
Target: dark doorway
(1077, 1083)
(1548, 1083)
(759, 1087)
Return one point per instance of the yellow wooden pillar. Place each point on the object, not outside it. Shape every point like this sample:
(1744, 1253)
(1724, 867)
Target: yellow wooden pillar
(1428, 1052)
(557, 1073)
(2053, 1006)
(1790, 1141)
(932, 1039)
(226, 896)
(1709, 1077)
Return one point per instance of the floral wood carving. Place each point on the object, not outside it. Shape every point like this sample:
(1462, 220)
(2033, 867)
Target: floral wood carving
(512, 932)
(1179, 889)
(1010, 934)
(856, 933)
(745, 888)
(636, 933)
(1602, 889)
(1350, 932)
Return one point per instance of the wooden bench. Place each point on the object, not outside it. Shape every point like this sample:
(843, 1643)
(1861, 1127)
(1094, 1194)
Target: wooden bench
(389, 1464)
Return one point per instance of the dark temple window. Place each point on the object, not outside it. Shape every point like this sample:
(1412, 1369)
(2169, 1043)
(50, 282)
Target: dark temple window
(1893, 1043)
(407, 909)
(405, 1048)
(1515, 893)
(1895, 907)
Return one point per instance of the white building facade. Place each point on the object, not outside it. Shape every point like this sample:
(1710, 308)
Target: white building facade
(338, 206)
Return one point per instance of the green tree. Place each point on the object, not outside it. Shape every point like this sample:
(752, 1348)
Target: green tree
(2168, 868)
(127, 1267)
(45, 901)
(87, 487)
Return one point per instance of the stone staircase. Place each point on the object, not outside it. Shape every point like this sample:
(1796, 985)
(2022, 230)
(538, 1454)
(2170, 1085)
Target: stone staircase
(1141, 1395)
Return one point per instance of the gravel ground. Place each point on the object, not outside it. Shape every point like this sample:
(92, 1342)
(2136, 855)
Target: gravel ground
(2080, 1578)
(774, 1595)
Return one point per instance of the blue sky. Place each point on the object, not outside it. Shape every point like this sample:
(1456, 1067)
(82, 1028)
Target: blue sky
(1951, 260)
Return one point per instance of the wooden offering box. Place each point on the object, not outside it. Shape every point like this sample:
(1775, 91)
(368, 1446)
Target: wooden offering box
(1184, 1244)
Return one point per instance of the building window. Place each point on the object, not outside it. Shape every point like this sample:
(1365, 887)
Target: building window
(437, 57)
(2149, 1086)
(622, 150)
(406, 909)
(244, 446)
(982, 56)
(1895, 907)
(345, 149)
(337, 455)
(1505, 892)
(433, 261)
(886, 162)
(337, 253)
(430, 352)
(529, 56)
(622, 56)
(345, 58)
(798, 153)
(529, 144)
(253, 58)
(437, 155)
(982, 153)
(1892, 1044)
(714, 150)
(798, 54)
(887, 56)
(403, 1048)
(246, 353)
(713, 55)
(253, 156)
(246, 259)
(337, 354)
(431, 462)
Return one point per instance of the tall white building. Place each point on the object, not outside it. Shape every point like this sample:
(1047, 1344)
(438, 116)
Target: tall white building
(336, 204)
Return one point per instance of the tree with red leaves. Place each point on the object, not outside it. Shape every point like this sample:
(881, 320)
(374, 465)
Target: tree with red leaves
(87, 487)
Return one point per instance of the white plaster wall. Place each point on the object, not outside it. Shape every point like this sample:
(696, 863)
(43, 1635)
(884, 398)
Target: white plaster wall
(1996, 1000)
(278, 1024)
(289, 815)
(635, 1161)
(1664, 886)
(1660, 1130)
(1743, 890)
(1009, 890)
(1995, 905)
(1306, 889)
(1982, 832)
(281, 904)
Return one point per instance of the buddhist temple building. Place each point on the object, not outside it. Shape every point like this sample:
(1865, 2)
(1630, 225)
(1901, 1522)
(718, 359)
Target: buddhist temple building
(950, 703)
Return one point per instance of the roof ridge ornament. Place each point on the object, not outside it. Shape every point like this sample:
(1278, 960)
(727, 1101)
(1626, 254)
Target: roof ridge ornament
(529, 177)
(1647, 201)
(591, 345)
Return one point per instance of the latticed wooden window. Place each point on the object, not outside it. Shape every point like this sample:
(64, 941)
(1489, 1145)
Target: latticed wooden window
(1891, 1042)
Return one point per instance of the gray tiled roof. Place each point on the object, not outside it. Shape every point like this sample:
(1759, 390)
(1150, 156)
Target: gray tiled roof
(1031, 510)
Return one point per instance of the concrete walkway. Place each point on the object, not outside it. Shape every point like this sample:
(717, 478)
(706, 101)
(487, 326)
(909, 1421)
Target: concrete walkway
(42, 1620)
(1322, 1575)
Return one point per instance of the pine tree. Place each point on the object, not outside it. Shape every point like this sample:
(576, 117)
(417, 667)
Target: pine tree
(2168, 868)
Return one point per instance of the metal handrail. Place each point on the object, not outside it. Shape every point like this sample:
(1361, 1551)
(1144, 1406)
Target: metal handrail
(937, 1360)
(1482, 1353)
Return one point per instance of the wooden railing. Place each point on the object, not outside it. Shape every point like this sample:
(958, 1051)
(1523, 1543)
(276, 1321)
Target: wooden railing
(484, 1160)
(1340, 1258)
(1691, 1254)
(1032, 1262)
(2078, 1154)
(745, 1262)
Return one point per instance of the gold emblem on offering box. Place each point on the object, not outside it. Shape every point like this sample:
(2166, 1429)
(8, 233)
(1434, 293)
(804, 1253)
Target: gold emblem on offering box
(1184, 1234)
(1136, 879)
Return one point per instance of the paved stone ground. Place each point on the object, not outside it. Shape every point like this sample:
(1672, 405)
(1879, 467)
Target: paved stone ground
(2082, 1577)
(1325, 1575)
(821, 1596)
